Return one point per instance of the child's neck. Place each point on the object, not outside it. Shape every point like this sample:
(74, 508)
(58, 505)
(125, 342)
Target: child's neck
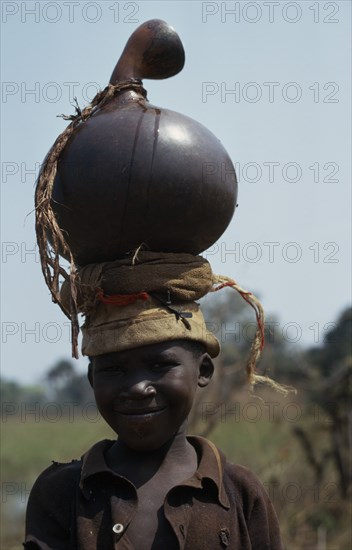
(139, 466)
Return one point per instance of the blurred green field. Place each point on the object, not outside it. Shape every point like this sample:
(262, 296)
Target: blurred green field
(29, 447)
(311, 517)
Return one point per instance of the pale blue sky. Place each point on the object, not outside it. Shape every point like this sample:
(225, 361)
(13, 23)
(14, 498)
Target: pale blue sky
(297, 131)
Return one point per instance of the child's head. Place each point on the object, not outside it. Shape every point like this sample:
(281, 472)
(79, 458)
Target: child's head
(146, 393)
(149, 343)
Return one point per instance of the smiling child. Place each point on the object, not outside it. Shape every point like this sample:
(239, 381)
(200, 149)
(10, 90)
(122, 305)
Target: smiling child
(147, 195)
(153, 487)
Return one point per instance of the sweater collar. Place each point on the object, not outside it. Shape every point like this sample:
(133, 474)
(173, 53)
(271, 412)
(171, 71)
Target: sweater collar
(211, 464)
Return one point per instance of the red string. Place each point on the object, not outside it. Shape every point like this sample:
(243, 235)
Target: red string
(120, 299)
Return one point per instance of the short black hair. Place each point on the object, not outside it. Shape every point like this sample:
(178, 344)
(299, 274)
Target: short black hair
(195, 347)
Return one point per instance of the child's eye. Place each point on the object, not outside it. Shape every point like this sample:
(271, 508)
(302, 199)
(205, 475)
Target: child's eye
(118, 370)
(111, 369)
(158, 366)
(163, 365)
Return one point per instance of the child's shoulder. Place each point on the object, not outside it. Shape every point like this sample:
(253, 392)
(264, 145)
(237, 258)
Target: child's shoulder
(55, 485)
(245, 484)
(238, 480)
(64, 477)
(60, 474)
(242, 476)
(239, 473)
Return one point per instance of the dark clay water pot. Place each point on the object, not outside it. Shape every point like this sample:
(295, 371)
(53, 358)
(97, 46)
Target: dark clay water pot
(134, 173)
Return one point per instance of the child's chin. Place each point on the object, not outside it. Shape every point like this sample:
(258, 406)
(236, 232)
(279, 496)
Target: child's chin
(145, 443)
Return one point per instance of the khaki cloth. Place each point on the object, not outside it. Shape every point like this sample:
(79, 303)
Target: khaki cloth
(180, 278)
(112, 328)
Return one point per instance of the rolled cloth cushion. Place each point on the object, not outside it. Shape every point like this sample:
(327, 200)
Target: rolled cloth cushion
(184, 276)
(167, 311)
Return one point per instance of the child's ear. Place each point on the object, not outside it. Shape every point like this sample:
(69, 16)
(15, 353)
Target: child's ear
(206, 370)
(90, 373)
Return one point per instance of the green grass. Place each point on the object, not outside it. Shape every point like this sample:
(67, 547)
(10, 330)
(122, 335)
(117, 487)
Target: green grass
(27, 449)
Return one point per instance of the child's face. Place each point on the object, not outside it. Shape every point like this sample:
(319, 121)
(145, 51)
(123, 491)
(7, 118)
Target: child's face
(145, 394)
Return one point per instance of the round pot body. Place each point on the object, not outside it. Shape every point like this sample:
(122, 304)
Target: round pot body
(136, 174)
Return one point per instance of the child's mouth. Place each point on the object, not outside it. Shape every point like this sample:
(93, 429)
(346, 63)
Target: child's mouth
(141, 413)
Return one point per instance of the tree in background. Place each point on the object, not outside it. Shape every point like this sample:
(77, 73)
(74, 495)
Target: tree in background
(58, 375)
(233, 322)
(328, 385)
(64, 384)
(13, 392)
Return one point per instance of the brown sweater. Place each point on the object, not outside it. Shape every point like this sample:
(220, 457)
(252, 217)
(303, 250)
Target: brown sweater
(84, 505)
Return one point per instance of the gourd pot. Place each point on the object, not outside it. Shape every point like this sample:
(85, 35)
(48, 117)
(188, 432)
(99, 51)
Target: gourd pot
(135, 174)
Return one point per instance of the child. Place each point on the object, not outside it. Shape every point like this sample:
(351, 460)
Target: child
(154, 487)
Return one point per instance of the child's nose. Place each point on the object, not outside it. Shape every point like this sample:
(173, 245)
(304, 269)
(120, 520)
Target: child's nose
(140, 389)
